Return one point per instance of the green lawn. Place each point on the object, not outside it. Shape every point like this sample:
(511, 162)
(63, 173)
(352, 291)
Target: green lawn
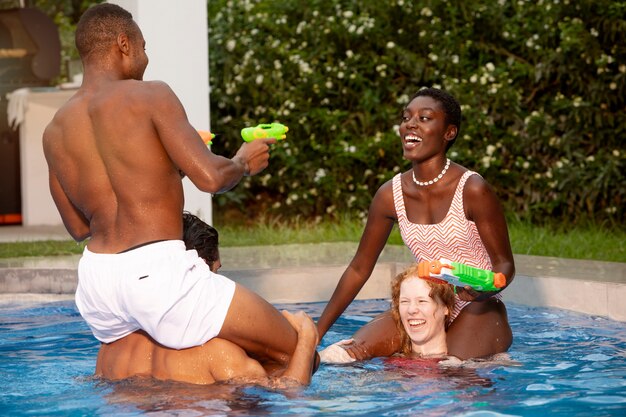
(587, 242)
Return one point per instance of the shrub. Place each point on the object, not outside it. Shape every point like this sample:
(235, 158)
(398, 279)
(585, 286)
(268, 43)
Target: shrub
(542, 85)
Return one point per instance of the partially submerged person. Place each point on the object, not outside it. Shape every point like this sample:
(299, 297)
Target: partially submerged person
(421, 310)
(443, 210)
(218, 360)
(115, 151)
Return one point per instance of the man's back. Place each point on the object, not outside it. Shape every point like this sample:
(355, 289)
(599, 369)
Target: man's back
(116, 149)
(110, 162)
(139, 355)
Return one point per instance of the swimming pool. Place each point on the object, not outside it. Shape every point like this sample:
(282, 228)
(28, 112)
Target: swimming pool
(563, 364)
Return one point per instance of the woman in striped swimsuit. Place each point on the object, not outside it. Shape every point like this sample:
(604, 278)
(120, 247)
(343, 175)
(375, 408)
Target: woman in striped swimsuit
(443, 211)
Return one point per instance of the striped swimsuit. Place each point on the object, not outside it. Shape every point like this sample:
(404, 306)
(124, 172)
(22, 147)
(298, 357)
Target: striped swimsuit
(454, 238)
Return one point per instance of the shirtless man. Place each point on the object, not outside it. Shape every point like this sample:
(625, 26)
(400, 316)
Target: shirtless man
(115, 151)
(218, 360)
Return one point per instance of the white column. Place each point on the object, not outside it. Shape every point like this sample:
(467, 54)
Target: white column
(176, 35)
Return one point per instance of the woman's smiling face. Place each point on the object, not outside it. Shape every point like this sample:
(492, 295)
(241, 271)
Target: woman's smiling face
(423, 128)
(422, 317)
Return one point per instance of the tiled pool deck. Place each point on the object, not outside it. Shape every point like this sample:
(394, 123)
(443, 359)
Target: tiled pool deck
(309, 273)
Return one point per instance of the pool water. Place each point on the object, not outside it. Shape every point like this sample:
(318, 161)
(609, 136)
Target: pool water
(562, 364)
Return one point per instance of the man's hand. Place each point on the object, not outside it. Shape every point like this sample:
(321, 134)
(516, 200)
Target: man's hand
(255, 155)
(304, 325)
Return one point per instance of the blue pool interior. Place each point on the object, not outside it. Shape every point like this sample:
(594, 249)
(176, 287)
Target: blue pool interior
(561, 364)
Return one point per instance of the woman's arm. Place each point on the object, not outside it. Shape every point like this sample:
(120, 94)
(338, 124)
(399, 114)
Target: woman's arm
(483, 208)
(380, 221)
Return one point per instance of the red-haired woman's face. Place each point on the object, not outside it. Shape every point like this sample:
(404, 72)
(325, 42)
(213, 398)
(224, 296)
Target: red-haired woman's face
(422, 317)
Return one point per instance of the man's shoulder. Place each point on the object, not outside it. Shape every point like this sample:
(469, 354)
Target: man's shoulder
(232, 361)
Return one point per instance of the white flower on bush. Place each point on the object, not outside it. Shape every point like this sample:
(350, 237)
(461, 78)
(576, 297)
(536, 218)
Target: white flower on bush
(230, 45)
(305, 68)
(490, 67)
(486, 161)
(259, 79)
(330, 209)
(319, 174)
(390, 45)
(455, 59)
(403, 99)
(490, 149)
(616, 152)
(426, 12)
(473, 78)
(526, 165)
(265, 179)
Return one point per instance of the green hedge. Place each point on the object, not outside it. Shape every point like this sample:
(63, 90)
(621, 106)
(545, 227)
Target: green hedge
(542, 84)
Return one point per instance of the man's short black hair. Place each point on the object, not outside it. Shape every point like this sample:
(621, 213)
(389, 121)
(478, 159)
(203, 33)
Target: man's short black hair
(450, 105)
(202, 237)
(99, 26)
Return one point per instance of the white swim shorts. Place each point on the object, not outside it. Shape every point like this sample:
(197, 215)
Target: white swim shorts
(161, 287)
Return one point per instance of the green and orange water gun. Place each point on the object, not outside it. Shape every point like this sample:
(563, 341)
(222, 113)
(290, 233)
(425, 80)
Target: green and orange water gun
(207, 137)
(461, 275)
(262, 131)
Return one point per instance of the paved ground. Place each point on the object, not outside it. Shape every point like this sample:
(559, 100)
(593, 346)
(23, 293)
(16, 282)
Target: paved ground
(309, 272)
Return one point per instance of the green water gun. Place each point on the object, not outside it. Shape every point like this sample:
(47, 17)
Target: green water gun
(461, 275)
(264, 130)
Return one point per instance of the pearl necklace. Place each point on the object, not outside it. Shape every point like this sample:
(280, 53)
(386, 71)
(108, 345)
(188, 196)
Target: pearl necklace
(434, 180)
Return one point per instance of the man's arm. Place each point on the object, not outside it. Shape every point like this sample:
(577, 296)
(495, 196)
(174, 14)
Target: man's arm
(300, 368)
(235, 366)
(208, 171)
(73, 219)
